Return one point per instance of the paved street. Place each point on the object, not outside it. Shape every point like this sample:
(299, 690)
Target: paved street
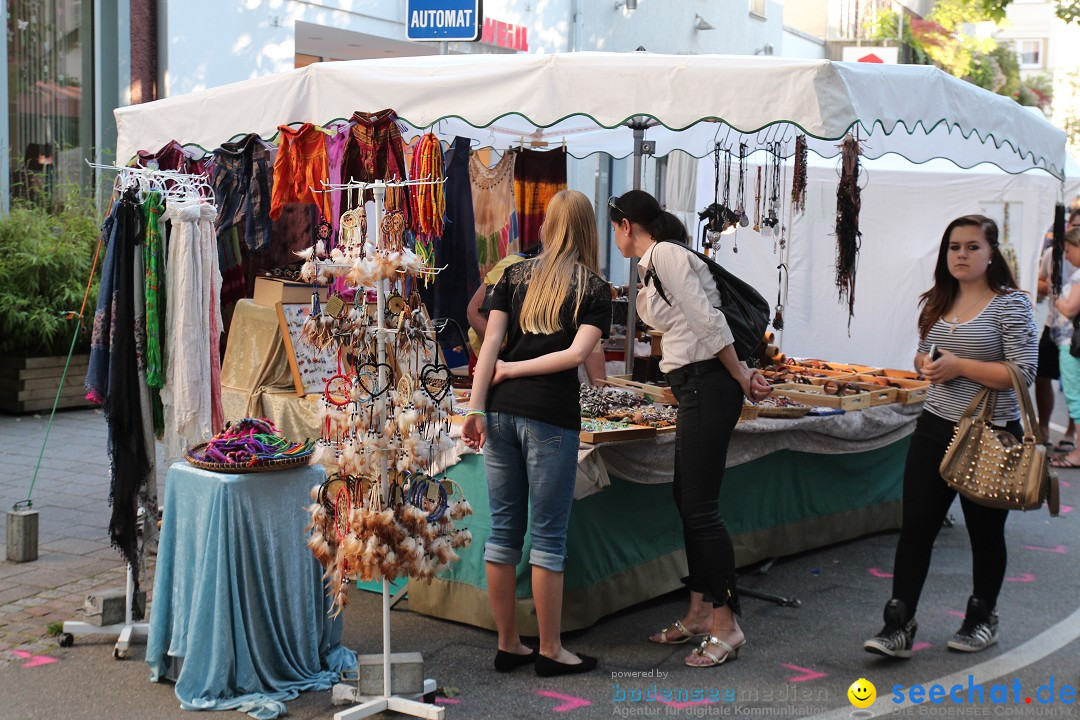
(797, 662)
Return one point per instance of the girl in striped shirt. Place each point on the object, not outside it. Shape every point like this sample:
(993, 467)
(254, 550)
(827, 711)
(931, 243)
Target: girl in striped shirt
(972, 320)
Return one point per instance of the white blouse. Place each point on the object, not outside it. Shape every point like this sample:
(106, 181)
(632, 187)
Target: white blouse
(694, 329)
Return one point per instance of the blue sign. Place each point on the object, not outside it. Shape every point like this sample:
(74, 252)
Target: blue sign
(438, 20)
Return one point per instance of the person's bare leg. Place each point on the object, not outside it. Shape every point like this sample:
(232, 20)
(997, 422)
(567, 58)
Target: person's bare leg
(502, 582)
(547, 595)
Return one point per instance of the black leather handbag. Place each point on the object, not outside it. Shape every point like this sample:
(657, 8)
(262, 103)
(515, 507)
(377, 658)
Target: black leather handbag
(1074, 346)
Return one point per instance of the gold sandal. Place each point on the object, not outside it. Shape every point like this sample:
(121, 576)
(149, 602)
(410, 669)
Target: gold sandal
(714, 660)
(679, 639)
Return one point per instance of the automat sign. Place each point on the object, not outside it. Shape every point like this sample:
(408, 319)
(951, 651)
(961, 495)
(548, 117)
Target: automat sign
(439, 20)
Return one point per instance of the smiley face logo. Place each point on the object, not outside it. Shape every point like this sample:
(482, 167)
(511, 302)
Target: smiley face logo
(862, 693)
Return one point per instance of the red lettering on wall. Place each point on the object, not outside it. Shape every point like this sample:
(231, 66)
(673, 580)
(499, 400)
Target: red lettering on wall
(505, 35)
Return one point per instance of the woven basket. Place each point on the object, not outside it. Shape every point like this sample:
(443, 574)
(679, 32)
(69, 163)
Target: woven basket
(236, 468)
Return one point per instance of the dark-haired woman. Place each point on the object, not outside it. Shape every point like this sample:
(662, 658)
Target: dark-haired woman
(709, 381)
(977, 319)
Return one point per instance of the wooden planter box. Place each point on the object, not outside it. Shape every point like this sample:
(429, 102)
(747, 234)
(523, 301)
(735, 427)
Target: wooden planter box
(29, 384)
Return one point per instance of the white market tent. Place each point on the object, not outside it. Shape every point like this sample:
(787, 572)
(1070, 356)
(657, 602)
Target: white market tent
(586, 99)
(591, 100)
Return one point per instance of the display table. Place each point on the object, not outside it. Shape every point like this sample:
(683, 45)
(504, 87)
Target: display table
(239, 616)
(625, 542)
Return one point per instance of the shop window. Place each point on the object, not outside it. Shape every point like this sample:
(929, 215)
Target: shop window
(757, 7)
(48, 96)
(1029, 53)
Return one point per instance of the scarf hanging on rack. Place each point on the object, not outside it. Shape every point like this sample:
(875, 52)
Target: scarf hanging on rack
(193, 323)
(494, 209)
(848, 237)
(538, 175)
(113, 375)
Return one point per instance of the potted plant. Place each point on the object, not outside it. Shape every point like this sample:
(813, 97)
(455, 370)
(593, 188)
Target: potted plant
(46, 254)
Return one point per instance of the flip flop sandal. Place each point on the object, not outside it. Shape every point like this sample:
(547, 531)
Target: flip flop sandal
(679, 639)
(1063, 462)
(714, 660)
(1063, 446)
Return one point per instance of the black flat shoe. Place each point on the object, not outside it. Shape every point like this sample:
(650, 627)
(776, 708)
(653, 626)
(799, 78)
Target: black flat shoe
(546, 667)
(507, 661)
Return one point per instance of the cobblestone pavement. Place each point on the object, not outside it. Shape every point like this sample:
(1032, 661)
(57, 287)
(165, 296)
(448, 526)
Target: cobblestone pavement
(71, 495)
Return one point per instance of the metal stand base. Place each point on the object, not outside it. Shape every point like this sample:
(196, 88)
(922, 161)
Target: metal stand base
(374, 705)
(781, 600)
(125, 633)
(127, 630)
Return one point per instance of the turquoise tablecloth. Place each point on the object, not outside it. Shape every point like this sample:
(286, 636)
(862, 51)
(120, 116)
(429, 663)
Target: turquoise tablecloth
(239, 616)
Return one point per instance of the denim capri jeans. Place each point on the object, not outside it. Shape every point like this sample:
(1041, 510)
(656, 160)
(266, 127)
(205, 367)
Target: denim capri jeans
(531, 472)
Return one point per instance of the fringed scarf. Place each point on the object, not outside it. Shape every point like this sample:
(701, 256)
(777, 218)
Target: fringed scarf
(113, 376)
(848, 236)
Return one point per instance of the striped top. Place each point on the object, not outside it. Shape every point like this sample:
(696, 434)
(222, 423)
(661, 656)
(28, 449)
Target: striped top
(1004, 330)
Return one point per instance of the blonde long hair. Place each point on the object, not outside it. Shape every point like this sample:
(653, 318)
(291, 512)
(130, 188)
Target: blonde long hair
(570, 245)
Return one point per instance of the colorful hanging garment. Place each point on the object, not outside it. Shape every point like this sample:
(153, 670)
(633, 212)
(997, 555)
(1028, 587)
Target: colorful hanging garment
(374, 151)
(113, 375)
(537, 177)
(300, 169)
(493, 209)
(429, 199)
(241, 177)
(171, 157)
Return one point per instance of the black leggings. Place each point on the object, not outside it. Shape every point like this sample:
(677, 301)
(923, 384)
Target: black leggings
(710, 401)
(926, 502)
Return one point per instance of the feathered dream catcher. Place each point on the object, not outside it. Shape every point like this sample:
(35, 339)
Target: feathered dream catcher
(384, 419)
(848, 237)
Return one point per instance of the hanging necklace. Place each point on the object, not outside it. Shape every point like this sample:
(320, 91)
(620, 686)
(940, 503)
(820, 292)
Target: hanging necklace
(955, 322)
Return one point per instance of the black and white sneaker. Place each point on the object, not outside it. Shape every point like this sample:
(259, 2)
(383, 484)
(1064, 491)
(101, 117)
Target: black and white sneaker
(898, 635)
(979, 630)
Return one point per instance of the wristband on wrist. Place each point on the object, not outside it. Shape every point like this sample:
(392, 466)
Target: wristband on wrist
(481, 413)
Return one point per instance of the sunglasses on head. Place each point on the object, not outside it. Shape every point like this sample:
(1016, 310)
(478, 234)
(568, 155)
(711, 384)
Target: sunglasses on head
(611, 203)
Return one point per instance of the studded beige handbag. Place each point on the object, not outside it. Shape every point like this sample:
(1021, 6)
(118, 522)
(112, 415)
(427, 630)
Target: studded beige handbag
(990, 466)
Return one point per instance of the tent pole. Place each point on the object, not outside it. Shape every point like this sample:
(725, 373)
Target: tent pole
(631, 296)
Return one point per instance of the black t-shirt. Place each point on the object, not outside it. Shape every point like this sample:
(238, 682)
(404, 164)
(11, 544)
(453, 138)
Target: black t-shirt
(550, 398)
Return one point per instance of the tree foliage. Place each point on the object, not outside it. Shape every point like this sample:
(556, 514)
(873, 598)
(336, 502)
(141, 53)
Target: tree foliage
(1067, 10)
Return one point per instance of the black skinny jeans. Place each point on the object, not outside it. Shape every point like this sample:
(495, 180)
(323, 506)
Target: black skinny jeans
(926, 502)
(710, 401)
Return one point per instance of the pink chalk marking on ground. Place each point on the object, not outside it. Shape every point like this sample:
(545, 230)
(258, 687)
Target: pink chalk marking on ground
(878, 573)
(446, 701)
(957, 613)
(920, 646)
(569, 701)
(35, 660)
(1025, 578)
(1064, 483)
(1066, 509)
(807, 673)
(1060, 549)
